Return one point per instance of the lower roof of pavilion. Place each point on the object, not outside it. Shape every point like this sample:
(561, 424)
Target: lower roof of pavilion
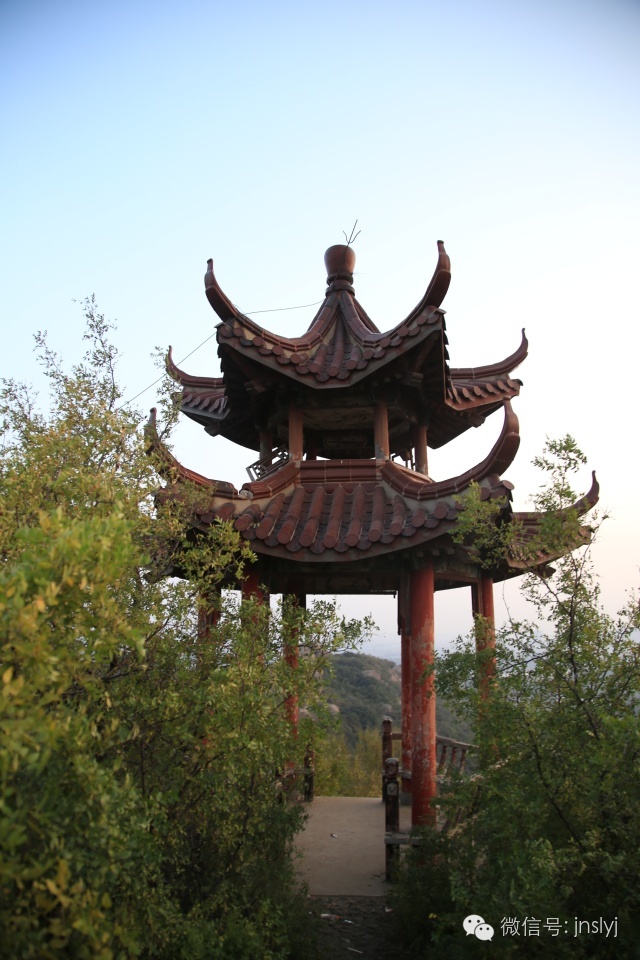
(355, 526)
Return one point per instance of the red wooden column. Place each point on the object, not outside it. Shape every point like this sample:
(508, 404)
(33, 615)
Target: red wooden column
(423, 701)
(266, 445)
(251, 588)
(208, 617)
(381, 430)
(405, 667)
(208, 613)
(296, 432)
(422, 465)
(482, 604)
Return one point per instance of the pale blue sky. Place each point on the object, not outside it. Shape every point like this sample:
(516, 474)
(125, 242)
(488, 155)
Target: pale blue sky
(141, 138)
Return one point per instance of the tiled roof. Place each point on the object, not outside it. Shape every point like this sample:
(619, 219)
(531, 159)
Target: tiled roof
(341, 348)
(343, 509)
(338, 349)
(171, 469)
(470, 387)
(530, 550)
(341, 518)
(342, 344)
(203, 399)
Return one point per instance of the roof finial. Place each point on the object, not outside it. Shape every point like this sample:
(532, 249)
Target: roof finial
(340, 261)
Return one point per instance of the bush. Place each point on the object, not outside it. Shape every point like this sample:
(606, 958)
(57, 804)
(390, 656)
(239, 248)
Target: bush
(345, 771)
(139, 810)
(551, 826)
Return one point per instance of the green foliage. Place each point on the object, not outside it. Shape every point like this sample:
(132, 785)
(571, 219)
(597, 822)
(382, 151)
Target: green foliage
(139, 810)
(551, 825)
(365, 688)
(481, 527)
(345, 770)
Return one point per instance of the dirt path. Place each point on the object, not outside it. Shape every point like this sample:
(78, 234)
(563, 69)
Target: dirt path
(352, 927)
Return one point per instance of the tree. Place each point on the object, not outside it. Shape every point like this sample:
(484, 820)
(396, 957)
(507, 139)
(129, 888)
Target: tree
(139, 810)
(550, 828)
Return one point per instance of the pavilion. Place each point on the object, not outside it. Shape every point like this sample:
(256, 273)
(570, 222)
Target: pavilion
(340, 498)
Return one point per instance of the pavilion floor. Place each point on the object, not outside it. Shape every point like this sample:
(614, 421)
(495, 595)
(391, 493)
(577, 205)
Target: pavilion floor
(342, 846)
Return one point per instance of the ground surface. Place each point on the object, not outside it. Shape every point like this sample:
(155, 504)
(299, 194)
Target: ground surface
(342, 847)
(349, 927)
(342, 863)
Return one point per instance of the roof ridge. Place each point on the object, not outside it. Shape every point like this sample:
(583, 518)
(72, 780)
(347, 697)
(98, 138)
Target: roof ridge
(501, 368)
(188, 379)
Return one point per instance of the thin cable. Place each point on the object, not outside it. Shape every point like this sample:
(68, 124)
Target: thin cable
(300, 306)
(247, 314)
(126, 402)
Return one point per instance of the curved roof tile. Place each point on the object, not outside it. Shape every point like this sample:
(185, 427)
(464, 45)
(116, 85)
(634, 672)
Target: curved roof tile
(171, 469)
(187, 379)
(371, 517)
(346, 507)
(492, 370)
(342, 347)
(341, 342)
(529, 549)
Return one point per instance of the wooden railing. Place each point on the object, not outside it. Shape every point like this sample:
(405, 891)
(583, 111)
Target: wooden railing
(450, 755)
(297, 784)
(266, 465)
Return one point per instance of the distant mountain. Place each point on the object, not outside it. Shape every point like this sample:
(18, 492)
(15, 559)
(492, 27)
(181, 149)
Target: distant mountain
(365, 688)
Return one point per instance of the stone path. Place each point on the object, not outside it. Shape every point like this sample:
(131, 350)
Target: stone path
(343, 865)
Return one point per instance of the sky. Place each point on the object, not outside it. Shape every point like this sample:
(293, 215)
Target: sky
(140, 139)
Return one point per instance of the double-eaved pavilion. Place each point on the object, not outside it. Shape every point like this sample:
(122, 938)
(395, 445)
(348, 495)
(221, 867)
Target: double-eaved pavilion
(329, 509)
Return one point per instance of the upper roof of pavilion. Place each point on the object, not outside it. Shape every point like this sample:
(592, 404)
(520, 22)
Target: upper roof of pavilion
(343, 351)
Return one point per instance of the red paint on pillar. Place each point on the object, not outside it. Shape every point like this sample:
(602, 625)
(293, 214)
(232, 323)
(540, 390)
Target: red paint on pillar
(421, 450)
(423, 701)
(296, 432)
(486, 635)
(486, 592)
(485, 627)
(381, 430)
(208, 617)
(405, 661)
(475, 600)
(251, 588)
(208, 614)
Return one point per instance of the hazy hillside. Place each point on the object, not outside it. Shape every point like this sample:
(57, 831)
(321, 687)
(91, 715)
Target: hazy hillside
(366, 688)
